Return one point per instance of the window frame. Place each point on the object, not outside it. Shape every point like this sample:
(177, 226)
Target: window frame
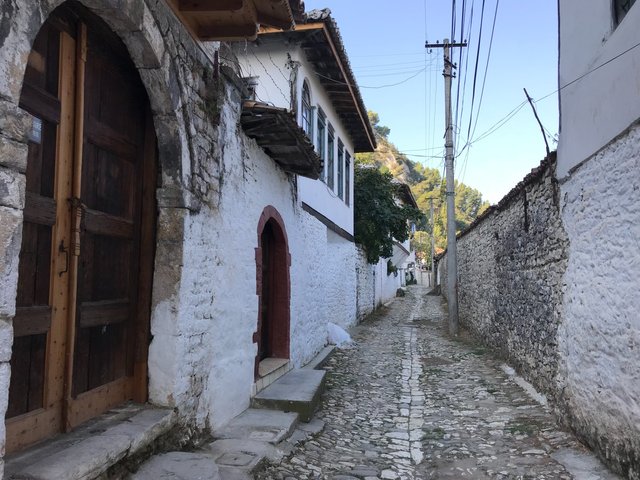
(347, 178)
(306, 110)
(321, 140)
(331, 155)
(620, 9)
(340, 179)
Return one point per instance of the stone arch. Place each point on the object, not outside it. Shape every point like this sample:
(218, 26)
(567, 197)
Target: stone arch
(137, 27)
(273, 287)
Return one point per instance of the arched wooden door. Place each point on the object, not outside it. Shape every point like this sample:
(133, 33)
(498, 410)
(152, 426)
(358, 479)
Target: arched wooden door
(272, 335)
(82, 309)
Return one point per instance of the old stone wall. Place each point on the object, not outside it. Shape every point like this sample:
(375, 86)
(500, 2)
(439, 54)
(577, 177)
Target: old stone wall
(339, 268)
(511, 264)
(599, 339)
(365, 285)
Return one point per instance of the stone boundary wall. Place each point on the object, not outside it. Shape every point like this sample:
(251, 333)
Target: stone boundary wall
(599, 338)
(365, 291)
(511, 263)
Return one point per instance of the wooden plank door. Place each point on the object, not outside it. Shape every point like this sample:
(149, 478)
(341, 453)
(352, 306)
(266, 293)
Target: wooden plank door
(83, 301)
(107, 210)
(38, 356)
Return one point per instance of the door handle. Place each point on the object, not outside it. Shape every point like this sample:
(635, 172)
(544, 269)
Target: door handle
(65, 250)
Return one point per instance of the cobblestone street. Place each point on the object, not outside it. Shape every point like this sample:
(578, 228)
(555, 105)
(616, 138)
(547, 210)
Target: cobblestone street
(407, 402)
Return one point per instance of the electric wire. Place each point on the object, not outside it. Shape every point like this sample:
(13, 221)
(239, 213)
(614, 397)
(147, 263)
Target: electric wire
(486, 68)
(475, 73)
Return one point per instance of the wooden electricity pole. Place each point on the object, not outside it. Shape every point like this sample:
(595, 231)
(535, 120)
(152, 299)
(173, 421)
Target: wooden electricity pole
(452, 260)
(433, 246)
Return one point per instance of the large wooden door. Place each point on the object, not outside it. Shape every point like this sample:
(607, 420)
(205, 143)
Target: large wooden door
(80, 331)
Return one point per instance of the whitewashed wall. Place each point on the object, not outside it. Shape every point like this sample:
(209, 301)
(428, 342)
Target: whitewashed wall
(366, 285)
(599, 338)
(598, 165)
(386, 285)
(213, 365)
(273, 66)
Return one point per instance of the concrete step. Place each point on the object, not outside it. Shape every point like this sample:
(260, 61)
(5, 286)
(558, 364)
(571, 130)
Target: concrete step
(322, 358)
(243, 456)
(179, 466)
(269, 426)
(298, 391)
(96, 447)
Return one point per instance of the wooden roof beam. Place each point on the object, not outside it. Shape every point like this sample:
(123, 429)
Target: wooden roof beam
(209, 6)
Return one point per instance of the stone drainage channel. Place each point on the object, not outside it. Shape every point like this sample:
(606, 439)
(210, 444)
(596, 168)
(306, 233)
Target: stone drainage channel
(408, 402)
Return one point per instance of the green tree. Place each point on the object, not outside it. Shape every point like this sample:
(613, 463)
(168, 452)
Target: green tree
(379, 219)
(426, 183)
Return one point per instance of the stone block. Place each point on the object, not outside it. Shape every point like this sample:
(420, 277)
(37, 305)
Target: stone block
(146, 45)
(12, 188)
(6, 339)
(10, 240)
(15, 123)
(13, 154)
(5, 377)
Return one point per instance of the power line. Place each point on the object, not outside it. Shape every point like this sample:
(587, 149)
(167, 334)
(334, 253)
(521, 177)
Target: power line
(508, 117)
(340, 82)
(475, 73)
(486, 68)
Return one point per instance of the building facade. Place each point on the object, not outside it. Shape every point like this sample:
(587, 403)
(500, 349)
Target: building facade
(153, 248)
(307, 72)
(598, 165)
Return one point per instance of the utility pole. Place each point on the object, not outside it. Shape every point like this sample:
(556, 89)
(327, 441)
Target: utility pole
(452, 260)
(433, 247)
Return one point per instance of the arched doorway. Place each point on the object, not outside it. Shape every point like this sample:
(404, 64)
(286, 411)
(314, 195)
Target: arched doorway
(85, 269)
(273, 289)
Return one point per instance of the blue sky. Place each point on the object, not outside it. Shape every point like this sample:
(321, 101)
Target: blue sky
(385, 42)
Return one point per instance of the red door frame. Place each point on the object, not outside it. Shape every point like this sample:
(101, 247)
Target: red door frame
(279, 318)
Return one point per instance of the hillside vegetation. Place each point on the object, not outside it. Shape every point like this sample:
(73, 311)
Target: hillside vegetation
(425, 183)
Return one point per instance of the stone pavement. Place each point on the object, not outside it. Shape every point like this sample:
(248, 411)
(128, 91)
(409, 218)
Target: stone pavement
(408, 402)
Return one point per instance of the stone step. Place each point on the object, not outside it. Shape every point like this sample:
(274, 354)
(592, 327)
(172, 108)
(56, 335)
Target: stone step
(269, 426)
(96, 447)
(298, 391)
(321, 359)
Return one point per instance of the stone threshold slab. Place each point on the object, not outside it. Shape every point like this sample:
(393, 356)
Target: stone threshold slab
(298, 391)
(94, 447)
(270, 426)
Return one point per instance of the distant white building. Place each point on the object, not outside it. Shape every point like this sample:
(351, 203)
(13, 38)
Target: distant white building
(378, 283)
(307, 72)
(599, 176)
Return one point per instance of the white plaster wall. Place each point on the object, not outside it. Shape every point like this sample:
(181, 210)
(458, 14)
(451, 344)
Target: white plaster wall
(270, 63)
(604, 103)
(340, 276)
(211, 358)
(386, 285)
(599, 337)
(366, 284)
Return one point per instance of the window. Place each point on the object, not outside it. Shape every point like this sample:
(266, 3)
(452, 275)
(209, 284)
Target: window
(621, 8)
(347, 178)
(321, 142)
(306, 109)
(331, 152)
(340, 169)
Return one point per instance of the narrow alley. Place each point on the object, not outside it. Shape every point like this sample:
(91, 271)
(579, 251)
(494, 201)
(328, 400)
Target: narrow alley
(408, 402)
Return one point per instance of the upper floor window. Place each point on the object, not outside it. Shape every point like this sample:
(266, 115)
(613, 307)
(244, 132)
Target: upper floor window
(340, 169)
(306, 109)
(621, 8)
(331, 153)
(347, 178)
(321, 142)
